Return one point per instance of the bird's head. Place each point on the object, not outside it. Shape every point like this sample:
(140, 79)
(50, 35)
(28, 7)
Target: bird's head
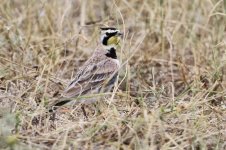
(110, 36)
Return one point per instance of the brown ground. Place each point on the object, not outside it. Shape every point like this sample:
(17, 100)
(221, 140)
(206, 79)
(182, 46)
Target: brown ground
(172, 86)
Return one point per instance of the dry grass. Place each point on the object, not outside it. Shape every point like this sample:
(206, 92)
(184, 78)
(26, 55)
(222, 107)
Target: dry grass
(172, 87)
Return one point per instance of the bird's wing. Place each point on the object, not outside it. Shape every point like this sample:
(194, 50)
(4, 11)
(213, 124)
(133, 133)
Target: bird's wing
(91, 77)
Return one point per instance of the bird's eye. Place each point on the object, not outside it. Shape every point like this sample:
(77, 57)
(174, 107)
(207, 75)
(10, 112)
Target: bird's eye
(111, 34)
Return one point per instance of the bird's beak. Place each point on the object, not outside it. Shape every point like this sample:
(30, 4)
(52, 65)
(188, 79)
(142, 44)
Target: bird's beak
(120, 34)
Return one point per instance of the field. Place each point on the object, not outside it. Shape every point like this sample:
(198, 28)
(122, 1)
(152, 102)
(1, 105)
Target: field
(171, 91)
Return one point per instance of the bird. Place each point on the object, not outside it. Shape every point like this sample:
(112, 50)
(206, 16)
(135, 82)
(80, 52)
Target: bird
(98, 74)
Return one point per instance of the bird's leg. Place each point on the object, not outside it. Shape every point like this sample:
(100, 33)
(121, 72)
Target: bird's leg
(52, 116)
(97, 109)
(84, 111)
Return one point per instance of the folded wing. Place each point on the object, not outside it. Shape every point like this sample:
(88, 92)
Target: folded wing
(92, 78)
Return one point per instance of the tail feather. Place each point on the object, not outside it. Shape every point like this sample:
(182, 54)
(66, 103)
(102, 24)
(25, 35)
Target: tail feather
(58, 104)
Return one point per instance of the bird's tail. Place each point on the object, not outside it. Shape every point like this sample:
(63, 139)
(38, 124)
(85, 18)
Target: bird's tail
(52, 107)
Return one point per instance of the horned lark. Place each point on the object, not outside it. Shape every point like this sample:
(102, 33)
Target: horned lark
(99, 72)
